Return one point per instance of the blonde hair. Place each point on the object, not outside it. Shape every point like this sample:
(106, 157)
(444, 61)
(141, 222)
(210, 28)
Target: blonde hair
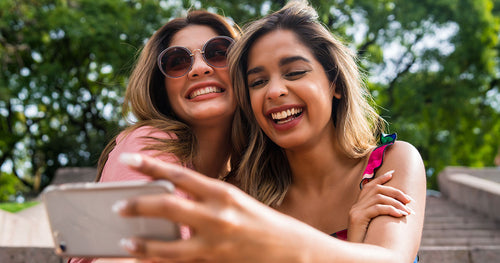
(264, 171)
(146, 97)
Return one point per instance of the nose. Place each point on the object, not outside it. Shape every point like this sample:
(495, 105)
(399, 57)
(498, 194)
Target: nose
(276, 89)
(200, 66)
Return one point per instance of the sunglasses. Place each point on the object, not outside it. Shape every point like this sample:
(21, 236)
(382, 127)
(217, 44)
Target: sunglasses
(176, 61)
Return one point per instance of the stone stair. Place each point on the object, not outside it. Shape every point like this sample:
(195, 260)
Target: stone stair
(457, 226)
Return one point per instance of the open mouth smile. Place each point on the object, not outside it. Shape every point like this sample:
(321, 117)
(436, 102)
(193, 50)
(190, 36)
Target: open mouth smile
(285, 116)
(204, 91)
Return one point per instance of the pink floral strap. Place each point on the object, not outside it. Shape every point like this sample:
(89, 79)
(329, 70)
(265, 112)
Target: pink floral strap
(377, 158)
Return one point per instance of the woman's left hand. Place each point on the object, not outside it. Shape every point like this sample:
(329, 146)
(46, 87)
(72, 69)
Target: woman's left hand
(376, 199)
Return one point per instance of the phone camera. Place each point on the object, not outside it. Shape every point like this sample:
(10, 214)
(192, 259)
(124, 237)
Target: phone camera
(62, 246)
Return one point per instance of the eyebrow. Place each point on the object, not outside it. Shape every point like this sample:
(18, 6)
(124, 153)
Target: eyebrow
(289, 60)
(282, 62)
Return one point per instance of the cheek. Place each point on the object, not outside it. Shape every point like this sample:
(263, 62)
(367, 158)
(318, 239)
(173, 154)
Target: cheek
(223, 74)
(173, 87)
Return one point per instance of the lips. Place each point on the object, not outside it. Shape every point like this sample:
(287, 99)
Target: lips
(286, 115)
(203, 91)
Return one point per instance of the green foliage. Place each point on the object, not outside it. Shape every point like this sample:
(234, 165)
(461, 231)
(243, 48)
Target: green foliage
(432, 67)
(64, 71)
(10, 187)
(435, 91)
(16, 207)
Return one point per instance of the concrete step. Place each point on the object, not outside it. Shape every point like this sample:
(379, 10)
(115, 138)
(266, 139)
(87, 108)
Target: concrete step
(459, 254)
(455, 234)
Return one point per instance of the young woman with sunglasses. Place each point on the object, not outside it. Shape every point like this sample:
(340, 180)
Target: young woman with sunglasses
(311, 146)
(181, 95)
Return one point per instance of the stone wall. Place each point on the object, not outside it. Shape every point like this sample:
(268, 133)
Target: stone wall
(476, 189)
(29, 254)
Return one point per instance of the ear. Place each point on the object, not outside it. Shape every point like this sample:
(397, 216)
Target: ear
(335, 92)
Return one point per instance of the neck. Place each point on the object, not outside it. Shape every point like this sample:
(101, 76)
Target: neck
(320, 166)
(213, 150)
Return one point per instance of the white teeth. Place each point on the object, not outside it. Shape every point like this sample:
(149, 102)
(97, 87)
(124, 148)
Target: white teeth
(204, 91)
(285, 114)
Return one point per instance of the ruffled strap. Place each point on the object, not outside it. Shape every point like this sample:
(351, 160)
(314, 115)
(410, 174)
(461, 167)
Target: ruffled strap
(342, 234)
(377, 158)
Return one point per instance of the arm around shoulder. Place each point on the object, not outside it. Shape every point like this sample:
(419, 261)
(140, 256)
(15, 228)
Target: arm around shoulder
(401, 236)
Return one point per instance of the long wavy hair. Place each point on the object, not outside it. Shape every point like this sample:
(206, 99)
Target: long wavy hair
(264, 171)
(146, 97)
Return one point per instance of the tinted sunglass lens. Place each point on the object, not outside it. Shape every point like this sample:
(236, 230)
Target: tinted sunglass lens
(216, 52)
(176, 62)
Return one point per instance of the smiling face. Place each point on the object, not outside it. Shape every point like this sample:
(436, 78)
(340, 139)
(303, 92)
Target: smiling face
(204, 96)
(290, 94)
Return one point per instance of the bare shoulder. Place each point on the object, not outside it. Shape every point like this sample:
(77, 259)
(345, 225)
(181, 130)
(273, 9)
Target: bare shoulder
(402, 151)
(408, 166)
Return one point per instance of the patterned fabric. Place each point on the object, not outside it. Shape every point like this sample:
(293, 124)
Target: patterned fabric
(377, 158)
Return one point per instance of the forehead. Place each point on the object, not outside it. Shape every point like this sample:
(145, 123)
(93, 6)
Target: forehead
(193, 36)
(277, 44)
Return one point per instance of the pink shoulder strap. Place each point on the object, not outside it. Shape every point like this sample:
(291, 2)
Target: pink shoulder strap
(377, 158)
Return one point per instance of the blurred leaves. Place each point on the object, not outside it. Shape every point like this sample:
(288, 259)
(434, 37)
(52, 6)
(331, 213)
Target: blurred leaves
(10, 187)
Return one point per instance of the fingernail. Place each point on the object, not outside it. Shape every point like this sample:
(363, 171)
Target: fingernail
(118, 206)
(131, 159)
(403, 212)
(128, 244)
(410, 198)
(411, 210)
(389, 172)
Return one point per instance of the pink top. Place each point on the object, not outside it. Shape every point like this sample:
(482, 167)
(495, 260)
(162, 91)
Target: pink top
(114, 170)
(134, 142)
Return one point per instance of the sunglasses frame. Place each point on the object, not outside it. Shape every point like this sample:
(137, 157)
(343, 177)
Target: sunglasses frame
(191, 55)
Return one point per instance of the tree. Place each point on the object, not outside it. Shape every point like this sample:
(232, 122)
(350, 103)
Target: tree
(438, 87)
(64, 68)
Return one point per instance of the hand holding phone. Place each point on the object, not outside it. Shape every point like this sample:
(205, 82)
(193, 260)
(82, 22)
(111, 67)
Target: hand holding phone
(83, 224)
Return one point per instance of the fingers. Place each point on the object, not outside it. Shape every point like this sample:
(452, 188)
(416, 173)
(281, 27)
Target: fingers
(389, 210)
(361, 215)
(379, 205)
(185, 178)
(172, 251)
(383, 178)
(376, 186)
(384, 201)
(393, 193)
(168, 206)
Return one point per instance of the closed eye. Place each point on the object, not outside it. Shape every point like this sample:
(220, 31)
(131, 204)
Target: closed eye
(295, 74)
(257, 83)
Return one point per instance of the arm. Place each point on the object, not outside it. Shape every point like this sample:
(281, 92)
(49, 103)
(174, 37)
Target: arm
(376, 199)
(230, 226)
(401, 236)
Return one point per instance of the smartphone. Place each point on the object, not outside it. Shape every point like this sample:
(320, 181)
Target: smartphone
(83, 224)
